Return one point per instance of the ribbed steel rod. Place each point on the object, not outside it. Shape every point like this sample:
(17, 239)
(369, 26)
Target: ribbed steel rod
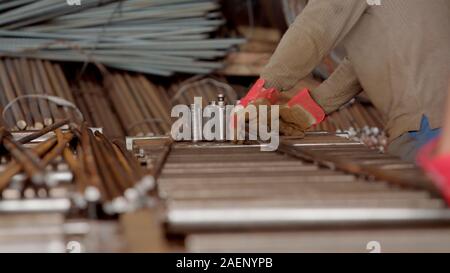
(151, 36)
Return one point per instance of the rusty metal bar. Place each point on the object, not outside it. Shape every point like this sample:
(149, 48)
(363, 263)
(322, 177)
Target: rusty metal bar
(44, 105)
(13, 168)
(16, 110)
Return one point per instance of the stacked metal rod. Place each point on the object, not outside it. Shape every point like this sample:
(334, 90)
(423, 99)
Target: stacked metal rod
(217, 191)
(52, 232)
(142, 107)
(28, 89)
(150, 151)
(103, 171)
(353, 157)
(150, 36)
(209, 186)
(388, 240)
(97, 110)
(43, 232)
(361, 122)
(32, 162)
(106, 173)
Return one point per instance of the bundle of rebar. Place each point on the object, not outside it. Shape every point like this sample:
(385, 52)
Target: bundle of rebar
(103, 171)
(106, 173)
(353, 157)
(32, 161)
(210, 187)
(153, 36)
(142, 107)
(30, 91)
(93, 102)
(360, 121)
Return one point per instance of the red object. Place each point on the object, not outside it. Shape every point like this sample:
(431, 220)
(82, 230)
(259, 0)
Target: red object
(303, 99)
(259, 92)
(437, 168)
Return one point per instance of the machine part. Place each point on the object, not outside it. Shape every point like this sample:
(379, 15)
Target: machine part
(221, 103)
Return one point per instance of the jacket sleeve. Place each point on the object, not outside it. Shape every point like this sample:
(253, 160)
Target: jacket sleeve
(315, 32)
(338, 89)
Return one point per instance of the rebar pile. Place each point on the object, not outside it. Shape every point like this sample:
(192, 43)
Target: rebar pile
(97, 110)
(340, 153)
(361, 122)
(152, 36)
(28, 89)
(106, 173)
(209, 187)
(225, 197)
(103, 171)
(32, 161)
(142, 107)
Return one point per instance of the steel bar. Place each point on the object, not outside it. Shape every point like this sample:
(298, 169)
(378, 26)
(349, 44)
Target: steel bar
(369, 163)
(35, 135)
(53, 30)
(44, 106)
(23, 71)
(36, 205)
(14, 168)
(210, 187)
(206, 219)
(362, 122)
(393, 240)
(57, 113)
(18, 92)
(8, 89)
(29, 161)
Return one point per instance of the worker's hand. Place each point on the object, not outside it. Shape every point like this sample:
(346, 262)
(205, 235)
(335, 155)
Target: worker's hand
(257, 96)
(259, 93)
(300, 113)
(436, 167)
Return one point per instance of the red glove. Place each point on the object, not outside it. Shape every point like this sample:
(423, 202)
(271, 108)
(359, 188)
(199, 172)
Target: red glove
(259, 92)
(437, 168)
(258, 95)
(303, 99)
(301, 111)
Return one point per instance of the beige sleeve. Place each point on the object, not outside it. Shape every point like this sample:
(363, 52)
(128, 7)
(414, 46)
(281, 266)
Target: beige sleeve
(338, 89)
(315, 32)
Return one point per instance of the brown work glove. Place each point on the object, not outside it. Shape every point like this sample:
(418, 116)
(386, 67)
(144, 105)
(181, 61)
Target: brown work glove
(289, 125)
(300, 113)
(257, 96)
(257, 103)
